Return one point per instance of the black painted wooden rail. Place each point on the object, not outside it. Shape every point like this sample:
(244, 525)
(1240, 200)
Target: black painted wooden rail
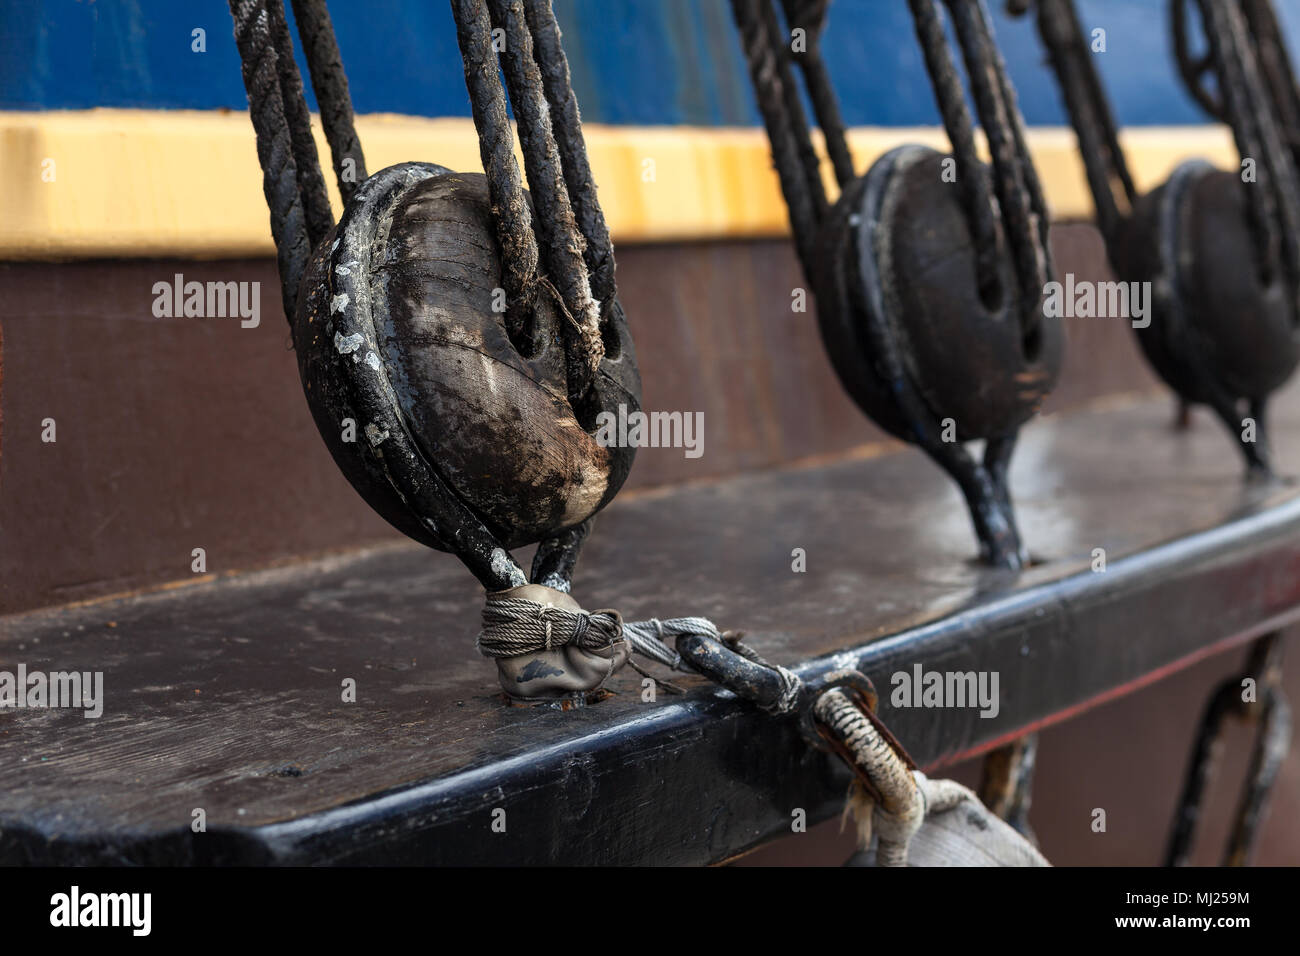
(226, 696)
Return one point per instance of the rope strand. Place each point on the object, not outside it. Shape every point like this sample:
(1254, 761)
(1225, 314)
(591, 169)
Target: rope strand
(275, 154)
(567, 127)
(311, 182)
(510, 213)
(330, 84)
(561, 243)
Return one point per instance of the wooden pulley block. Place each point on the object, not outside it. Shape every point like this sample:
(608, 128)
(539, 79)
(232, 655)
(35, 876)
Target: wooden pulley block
(903, 300)
(1223, 327)
(930, 355)
(401, 330)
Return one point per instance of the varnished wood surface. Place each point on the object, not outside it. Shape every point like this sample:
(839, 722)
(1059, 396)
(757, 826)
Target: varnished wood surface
(226, 696)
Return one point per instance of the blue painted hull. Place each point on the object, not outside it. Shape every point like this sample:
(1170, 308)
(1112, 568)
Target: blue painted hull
(643, 62)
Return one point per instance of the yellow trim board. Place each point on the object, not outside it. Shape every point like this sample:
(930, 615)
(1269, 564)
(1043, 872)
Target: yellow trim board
(186, 183)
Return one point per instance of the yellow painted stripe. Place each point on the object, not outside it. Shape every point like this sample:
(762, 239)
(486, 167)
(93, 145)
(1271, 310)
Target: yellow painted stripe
(154, 183)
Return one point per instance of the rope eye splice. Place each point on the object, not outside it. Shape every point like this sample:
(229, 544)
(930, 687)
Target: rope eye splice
(903, 817)
(458, 336)
(1219, 250)
(930, 270)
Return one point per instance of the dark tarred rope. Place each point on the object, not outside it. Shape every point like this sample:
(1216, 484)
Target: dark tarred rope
(1105, 165)
(1019, 196)
(567, 127)
(977, 197)
(809, 161)
(782, 129)
(330, 84)
(1252, 112)
(275, 153)
(561, 243)
(810, 16)
(311, 183)
(514, 225)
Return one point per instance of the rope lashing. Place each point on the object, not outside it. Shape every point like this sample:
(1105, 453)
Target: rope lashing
(896, 809)
(889, 798)
(513, 627)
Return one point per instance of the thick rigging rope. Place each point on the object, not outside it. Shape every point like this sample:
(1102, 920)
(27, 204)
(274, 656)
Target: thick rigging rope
(976, 195)
(1275, 196)
(1275, 66)
(810, 16)
(562, 245)
(275, 144)
(567, 128)
(330, 84)
(551, 162)
(787, 130)
(311, 184)
(510, 212)
(1090, 114)
(1249, 105)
